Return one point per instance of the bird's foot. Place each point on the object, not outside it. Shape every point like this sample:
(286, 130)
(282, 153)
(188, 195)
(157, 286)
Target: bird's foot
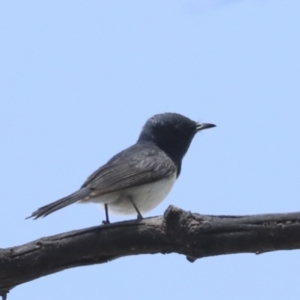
(140, 217)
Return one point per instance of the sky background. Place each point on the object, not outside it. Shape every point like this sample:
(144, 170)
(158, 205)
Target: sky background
(78, 81)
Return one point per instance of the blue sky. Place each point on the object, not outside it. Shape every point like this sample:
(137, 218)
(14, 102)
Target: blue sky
(78, 81)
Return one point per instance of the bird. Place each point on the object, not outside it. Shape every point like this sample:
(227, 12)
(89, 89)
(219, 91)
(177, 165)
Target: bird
(137, 179)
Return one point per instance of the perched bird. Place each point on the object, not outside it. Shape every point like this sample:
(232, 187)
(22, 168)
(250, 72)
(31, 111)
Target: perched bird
(138, 178)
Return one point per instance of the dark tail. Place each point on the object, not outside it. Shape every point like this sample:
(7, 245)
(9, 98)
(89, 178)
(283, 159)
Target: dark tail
(52, 207)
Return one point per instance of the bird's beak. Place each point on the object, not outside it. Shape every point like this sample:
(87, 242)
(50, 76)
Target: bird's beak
(201, 126)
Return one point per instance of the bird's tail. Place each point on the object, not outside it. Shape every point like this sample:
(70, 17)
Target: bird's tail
(56, 205)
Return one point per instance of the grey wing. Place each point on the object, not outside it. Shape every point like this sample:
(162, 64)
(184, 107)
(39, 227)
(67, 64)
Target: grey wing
(114, 177)
(131, 167)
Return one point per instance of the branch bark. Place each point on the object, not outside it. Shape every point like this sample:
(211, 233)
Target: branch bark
(192, 235)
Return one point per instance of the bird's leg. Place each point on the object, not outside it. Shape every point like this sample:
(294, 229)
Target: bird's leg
(106, 214)
(139, 216)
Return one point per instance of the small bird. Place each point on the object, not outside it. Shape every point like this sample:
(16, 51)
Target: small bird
(138, 178)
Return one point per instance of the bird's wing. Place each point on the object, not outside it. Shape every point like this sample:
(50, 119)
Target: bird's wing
(131, 167)
(134, 170)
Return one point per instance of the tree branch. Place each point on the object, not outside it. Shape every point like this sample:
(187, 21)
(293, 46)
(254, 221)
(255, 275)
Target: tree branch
(192, 235)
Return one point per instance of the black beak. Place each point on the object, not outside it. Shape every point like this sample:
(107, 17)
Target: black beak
(201, 126)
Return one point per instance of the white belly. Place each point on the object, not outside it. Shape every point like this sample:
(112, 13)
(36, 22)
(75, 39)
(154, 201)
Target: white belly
(146, 197)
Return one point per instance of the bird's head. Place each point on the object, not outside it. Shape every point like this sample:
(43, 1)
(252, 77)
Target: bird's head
(172, 133)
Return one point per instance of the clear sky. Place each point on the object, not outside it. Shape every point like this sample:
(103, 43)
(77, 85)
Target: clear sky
(78, 81)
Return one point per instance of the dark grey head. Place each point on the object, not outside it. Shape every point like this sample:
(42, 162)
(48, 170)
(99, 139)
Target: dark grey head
(172, 133)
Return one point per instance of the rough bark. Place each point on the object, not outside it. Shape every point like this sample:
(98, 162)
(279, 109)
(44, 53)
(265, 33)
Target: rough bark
(178, 231)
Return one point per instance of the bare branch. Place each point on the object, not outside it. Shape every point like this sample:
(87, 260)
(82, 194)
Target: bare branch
(192, 235)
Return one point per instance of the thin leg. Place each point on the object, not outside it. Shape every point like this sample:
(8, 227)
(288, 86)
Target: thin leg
(106, 214)
(139, 216)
